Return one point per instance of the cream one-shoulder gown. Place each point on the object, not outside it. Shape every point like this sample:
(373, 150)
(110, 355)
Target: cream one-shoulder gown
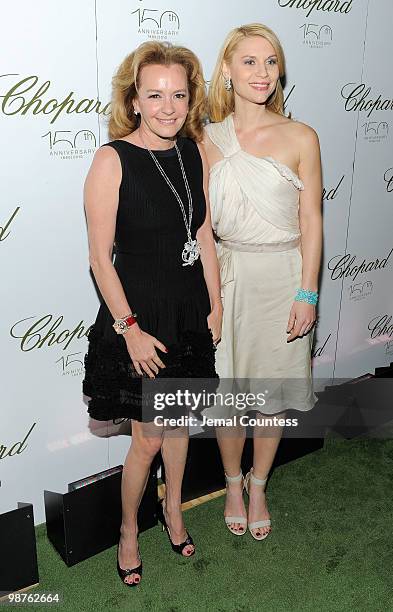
(255, 215)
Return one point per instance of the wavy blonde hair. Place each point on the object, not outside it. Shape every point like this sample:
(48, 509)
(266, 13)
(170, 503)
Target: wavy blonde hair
(221, 102)
(126, 81)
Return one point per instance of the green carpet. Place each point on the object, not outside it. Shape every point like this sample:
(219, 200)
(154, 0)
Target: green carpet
(331, 548)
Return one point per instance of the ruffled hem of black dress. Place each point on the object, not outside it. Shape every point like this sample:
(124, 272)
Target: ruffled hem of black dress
(115, 389)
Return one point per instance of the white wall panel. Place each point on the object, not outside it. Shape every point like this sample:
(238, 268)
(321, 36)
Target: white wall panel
(56, 65)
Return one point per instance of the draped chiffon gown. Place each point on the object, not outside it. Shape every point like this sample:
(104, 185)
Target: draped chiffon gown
(255, 215)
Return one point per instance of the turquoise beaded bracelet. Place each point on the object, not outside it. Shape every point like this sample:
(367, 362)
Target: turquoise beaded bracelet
(305, 295)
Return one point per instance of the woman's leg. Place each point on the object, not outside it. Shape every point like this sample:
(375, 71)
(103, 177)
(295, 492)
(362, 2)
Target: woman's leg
(231, 443)
(144, 446)
(266, 441)
(174, 454)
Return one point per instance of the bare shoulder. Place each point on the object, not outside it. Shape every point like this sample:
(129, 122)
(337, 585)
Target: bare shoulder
(309, 151)
(105, 166)
(306, 134)
(101, 188)
(106, 158)
(296, 129)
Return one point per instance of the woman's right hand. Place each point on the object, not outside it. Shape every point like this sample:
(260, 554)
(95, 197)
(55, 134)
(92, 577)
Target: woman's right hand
(142, 350)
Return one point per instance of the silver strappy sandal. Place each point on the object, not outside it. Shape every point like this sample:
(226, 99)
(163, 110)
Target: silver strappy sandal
(264, 522)
(236, 519)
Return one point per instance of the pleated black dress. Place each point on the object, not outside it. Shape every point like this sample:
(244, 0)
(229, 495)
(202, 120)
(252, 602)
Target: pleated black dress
(171, 300)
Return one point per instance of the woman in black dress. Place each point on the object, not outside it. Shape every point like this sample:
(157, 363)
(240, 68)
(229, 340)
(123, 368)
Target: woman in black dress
(161, 310)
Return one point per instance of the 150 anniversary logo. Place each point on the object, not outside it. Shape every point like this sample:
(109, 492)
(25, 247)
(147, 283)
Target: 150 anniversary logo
(375, 131)
(157, 24)
(360, 291)
(317, 36)
(66, 144)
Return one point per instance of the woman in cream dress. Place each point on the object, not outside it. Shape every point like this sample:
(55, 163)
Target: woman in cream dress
(265, 196)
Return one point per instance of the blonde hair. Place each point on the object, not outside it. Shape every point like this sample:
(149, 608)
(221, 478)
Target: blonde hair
(125, 85)
(221, 102)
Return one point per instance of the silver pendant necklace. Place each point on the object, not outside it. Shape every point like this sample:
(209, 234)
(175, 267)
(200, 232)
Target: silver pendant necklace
(191, 249)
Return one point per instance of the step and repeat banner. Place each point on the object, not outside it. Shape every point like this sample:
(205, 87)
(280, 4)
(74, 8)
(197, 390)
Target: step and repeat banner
(56, 64)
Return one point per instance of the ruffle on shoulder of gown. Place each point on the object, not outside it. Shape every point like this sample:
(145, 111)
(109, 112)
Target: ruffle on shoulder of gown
(286, 173)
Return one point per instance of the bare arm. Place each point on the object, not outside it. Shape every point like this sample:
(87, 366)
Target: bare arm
(101, 196)
(303, 315)
(209, 259)
(101, 202)
(310, 209)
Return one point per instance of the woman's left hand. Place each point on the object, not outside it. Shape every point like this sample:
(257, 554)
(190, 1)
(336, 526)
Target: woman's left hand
(301, 319)
(214, 322)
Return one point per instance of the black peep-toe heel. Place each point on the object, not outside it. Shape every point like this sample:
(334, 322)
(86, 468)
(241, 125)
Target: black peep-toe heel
(126, 572)
(177, 548)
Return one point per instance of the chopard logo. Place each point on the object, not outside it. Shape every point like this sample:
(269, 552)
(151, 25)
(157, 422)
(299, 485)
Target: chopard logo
(27, 95)
(331, 194)
(4, 230)
(46, 331)
(320, 349)
(356, 97)
(342, 266)
(288, 96)
(388, 178)
(16, 448)
(336, 6)
(381, 325)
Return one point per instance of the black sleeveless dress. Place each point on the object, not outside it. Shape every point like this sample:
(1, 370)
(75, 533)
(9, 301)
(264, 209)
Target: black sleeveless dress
(171, 300)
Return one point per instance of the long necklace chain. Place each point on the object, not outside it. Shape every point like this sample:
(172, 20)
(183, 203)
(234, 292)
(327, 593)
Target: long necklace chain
(191, 249)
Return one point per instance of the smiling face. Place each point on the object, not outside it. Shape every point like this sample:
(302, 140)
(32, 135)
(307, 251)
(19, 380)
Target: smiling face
(162, 100)
(253, 69)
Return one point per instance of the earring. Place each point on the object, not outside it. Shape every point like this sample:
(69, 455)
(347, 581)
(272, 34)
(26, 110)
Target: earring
(136, 112)
(227, 83)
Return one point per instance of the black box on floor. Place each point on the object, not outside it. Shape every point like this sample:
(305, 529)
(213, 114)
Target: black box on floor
(362, 405)
(18, 558)
(86, 520)
(203, 473)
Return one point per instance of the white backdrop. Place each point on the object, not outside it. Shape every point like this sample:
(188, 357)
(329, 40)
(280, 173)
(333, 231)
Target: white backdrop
(56, 65)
